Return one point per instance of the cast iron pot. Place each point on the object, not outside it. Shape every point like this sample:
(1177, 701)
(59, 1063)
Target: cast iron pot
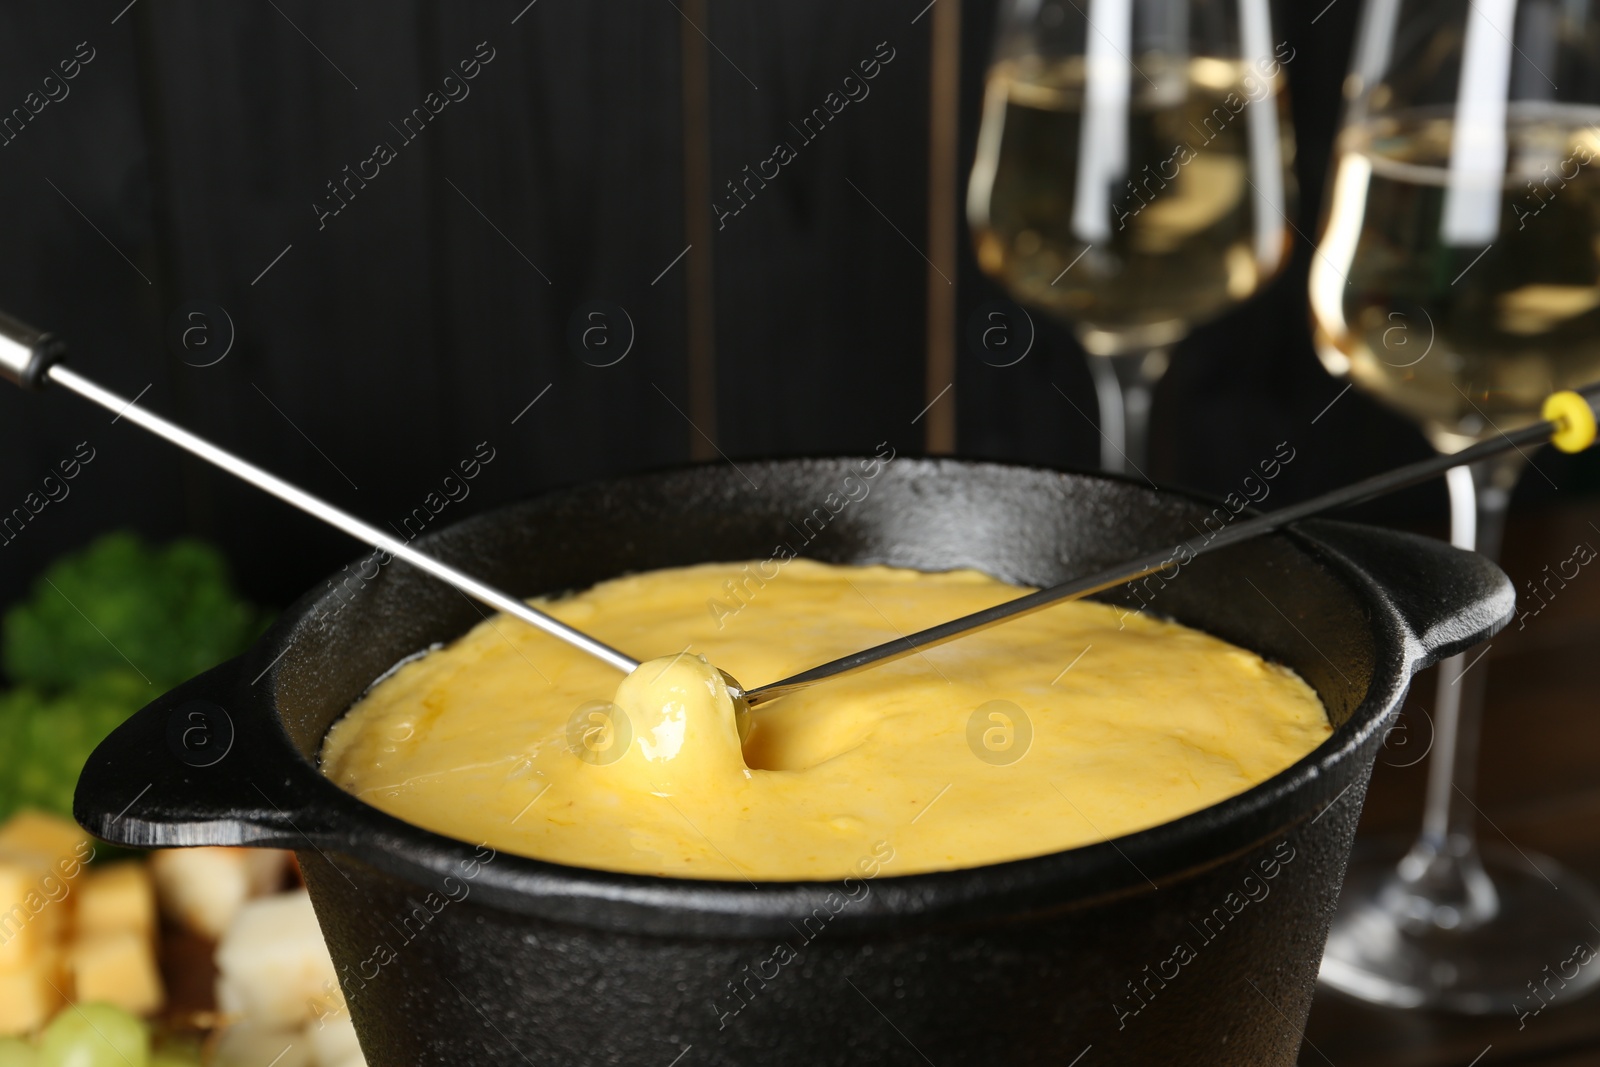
(1194, 942)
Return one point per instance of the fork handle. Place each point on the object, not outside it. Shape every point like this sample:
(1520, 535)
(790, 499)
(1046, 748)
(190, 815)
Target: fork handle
(27, 353)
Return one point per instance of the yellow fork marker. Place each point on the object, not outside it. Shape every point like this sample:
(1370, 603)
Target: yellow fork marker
(1574, 419)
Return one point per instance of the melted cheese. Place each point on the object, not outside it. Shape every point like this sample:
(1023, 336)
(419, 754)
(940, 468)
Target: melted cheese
(1069, 726)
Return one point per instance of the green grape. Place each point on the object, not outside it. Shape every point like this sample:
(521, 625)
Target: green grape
(14, 1053)
(170, 1058)
(175, 1051)
(94, 1035)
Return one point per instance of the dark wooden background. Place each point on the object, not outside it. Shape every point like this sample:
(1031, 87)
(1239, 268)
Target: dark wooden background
(370, 356)
(424, 317)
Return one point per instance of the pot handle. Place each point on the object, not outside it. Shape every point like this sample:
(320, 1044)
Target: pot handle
(1450, 598)
(202, 765)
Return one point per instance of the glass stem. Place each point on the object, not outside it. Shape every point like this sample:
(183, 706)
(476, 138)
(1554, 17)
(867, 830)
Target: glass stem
(1443, 866)
(1123, 385)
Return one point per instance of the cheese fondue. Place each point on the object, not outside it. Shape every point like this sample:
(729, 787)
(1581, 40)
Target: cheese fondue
(1061, 728)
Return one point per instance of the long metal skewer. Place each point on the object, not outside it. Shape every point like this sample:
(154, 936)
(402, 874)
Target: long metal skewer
(1150, 563)
(38, 361)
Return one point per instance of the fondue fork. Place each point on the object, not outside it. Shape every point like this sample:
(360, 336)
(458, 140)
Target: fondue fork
(1569, 423)
(31, 358)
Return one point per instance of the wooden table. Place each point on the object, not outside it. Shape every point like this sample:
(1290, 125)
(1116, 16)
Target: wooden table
(1539, 787)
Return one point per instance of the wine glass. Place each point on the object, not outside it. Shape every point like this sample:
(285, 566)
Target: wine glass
(1458, 281)
(1133, 178)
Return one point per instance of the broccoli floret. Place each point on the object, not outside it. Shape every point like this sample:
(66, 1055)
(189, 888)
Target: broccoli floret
(106, 631)
(164, 613)
(47, 740)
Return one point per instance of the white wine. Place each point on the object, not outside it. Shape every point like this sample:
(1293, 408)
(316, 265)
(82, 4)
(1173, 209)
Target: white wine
(1173, 225)
(1468, 335)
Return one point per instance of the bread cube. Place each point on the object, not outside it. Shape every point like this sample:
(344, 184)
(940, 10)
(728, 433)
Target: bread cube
(117, 897)
(273, 966)
(117, 968)
(204, 888)
(266, 869)
(250, 1044)
(333, 1042)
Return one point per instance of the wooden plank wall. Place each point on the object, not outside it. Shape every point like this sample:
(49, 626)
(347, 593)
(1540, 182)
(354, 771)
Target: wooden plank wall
(376, 346)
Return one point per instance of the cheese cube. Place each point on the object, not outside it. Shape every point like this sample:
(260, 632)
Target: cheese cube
(32, 903)
(266, 868)
(29, 997)
(117, 968)
(40, 857)
(21, 941)
(117, 897)
(49, 837)
(19, 876)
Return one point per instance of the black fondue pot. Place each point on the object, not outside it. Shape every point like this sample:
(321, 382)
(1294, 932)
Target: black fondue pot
(1193, 942)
